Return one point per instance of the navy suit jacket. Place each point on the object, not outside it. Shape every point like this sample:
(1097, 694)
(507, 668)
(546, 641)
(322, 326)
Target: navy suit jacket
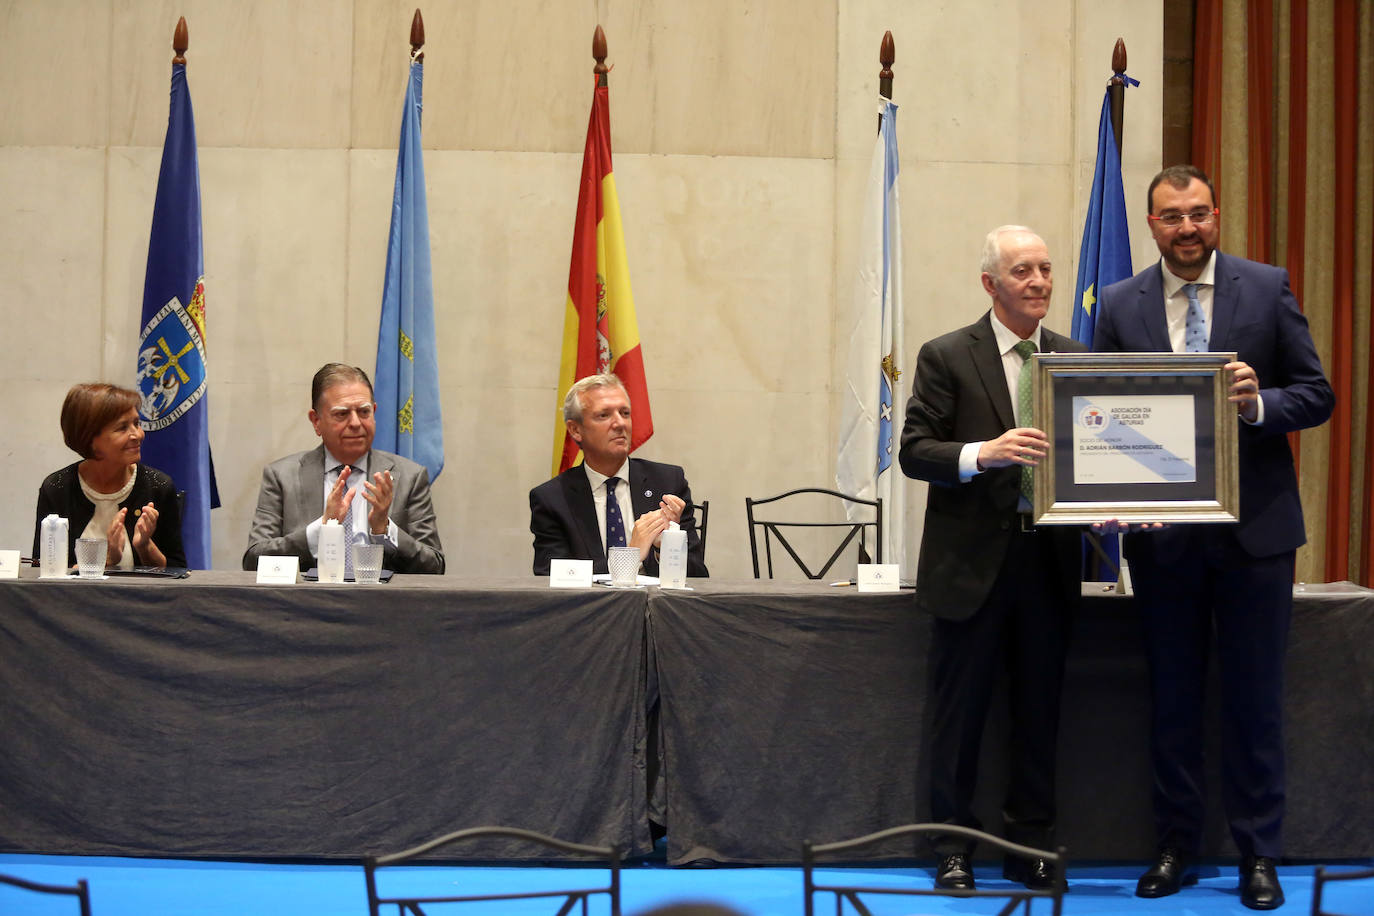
(959, 396)
(1255, 314)
(563, 516)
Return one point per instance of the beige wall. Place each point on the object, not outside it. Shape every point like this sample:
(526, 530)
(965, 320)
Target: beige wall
(742, 130)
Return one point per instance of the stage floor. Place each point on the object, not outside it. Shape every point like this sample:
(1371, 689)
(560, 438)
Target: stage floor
(177, 887)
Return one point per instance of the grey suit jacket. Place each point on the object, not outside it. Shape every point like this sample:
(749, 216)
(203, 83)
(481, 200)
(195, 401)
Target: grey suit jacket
(960, 395)
(292, 496)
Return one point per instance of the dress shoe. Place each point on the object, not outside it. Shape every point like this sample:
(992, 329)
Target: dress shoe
(1035, 874)
(1259, 883)
(954, 873)
(1166, 876)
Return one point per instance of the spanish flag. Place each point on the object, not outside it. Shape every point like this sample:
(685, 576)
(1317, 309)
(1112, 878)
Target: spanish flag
(600, 333)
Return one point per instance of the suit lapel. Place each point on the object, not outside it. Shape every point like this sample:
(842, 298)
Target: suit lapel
(310, 494)
(987, 362)
(643, 497)
(1225, 302)
(578, 492)
(1154, 321)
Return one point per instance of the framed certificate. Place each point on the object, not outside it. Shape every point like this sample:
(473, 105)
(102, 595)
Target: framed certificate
(1139, 437)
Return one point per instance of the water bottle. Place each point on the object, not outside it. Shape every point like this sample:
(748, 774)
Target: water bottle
(52, 548)
(331, 554)
(672, 558)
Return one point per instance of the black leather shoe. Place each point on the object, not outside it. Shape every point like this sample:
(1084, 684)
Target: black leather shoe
(1166, 876)
(954, 873)
(1259, 883)
(1035, 874)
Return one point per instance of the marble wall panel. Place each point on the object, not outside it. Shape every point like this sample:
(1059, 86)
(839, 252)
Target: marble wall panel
(52, 208)
(268, 73)
(1002, 69)
(499, 74)
(54, 73)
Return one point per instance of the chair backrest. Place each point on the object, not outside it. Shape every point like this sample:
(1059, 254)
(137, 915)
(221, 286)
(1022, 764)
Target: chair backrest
(569, 898)
(79, 890)
(701, 512)
(1322, 877)
(1016, 896)
(774, 529)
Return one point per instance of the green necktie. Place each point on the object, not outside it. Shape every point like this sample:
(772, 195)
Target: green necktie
(1025, 412)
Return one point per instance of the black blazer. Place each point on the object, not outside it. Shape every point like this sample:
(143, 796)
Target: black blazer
(563, 516)
(60, 494)
(959, 396)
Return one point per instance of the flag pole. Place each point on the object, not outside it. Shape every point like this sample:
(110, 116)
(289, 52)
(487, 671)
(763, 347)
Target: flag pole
(599, 55)
(1116, 89)
(887, 53)
(417, 36)
(180, 41)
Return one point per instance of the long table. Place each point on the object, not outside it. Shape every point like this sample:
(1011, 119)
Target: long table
(215, 717)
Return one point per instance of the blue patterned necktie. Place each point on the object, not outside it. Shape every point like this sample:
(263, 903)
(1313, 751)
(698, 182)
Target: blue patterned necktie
(1195, 330)
(1025, 413)
(348, 520)
(615, 525)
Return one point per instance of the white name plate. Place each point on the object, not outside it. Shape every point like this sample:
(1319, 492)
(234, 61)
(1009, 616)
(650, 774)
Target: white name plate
(278, 570)
(879, 577)
(9, 564)
(570, 574)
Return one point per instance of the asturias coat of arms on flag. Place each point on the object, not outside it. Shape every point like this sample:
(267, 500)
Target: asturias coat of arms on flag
(171, 361)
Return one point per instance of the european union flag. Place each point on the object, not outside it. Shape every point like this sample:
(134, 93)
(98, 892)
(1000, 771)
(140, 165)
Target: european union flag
(407, 379)
(172, 375)
(1105, 256)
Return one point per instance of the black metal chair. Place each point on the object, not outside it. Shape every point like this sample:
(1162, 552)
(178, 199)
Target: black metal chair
(569, 898)
(80, 890)
(1016, 896)
(1322, 877)
(701, 512)
(773, 529)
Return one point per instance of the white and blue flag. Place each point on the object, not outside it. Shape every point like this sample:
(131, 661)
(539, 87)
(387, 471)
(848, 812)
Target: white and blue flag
(864, 465)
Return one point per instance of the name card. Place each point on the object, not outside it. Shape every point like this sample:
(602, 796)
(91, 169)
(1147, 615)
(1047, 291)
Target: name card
(879, 577)
(278, 570)
(9, 564)
(570, 574)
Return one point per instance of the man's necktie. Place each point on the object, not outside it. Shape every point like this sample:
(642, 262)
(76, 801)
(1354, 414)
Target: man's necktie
(1195, 330)
(348, 522)
(1025, 413)
(615, 525)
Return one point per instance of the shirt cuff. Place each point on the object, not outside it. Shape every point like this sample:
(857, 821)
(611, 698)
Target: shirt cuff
(968, 461)
(1259, 412)
(312, 537)
(389, 538)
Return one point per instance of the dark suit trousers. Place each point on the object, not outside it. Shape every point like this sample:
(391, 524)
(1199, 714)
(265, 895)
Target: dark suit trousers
(1023, 627)
(1191, 590)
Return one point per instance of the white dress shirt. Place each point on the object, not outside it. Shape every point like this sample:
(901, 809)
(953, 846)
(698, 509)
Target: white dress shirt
(362, 530)
(1012, 365)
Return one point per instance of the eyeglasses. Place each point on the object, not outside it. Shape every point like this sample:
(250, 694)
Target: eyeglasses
(1196, 217)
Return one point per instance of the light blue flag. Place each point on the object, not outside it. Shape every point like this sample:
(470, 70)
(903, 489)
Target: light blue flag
(171, 372)
(407, 378)
(1105, 256)
(863, 463)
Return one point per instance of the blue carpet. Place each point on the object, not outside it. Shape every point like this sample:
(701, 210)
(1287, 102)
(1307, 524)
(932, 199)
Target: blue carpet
(166, 887)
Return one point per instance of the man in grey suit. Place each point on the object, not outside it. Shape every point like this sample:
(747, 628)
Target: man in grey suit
(379, 497)
(1000, 589)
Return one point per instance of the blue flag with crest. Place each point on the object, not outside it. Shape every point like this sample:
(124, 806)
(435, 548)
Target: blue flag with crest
(1105, 255)
(171, 369)
(407, 378)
